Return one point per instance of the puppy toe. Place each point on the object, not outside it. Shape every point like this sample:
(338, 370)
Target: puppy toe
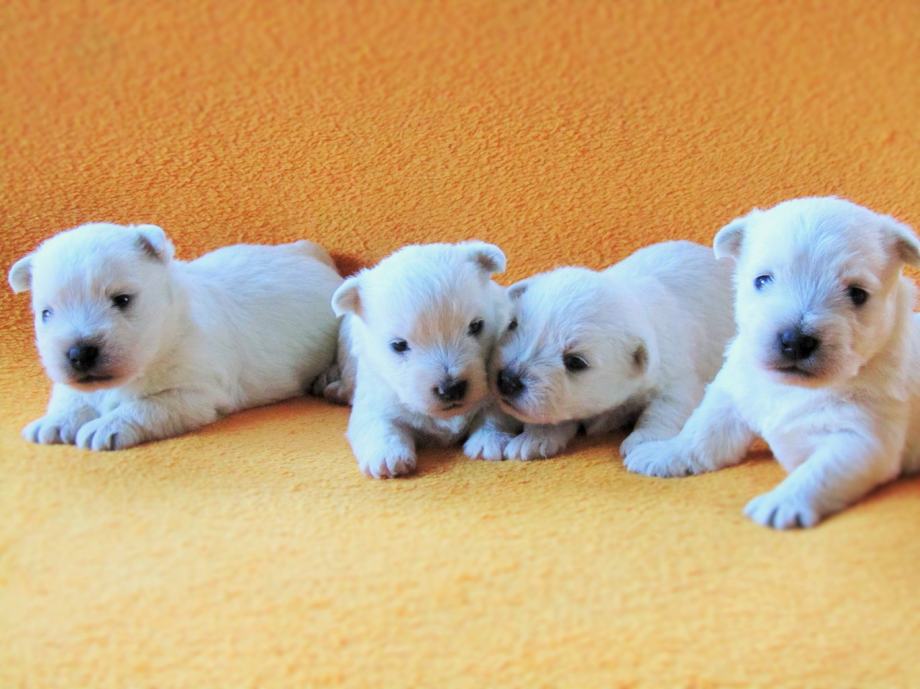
(488, 445)
(44, 431)
(777, 510)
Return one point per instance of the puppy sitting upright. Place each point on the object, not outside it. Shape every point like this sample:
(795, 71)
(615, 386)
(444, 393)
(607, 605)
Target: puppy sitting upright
(638, 340)
(421, 326)
(141, 346)
(826, 364)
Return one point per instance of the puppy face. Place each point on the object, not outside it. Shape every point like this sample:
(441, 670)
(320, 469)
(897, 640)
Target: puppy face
(100, 296)
(816, 286)
(570, 350)
(430, 315)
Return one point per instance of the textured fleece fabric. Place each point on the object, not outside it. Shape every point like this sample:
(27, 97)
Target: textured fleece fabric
(253, 553)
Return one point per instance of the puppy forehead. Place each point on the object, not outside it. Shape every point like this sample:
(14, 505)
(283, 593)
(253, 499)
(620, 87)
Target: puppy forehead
(89, 257)
(425, 294)
(830, 239)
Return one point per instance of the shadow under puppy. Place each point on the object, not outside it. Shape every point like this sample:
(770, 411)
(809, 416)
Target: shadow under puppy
(141, 346)
(639, 340)
(417, 332)
(825, 366)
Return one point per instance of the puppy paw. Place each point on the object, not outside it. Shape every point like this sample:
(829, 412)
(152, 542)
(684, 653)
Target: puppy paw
(108, 432)
(487, 443)
(662, 458)
(55, 429)
(535, 444)
(395, 460)
(782, 509)
(632, 441)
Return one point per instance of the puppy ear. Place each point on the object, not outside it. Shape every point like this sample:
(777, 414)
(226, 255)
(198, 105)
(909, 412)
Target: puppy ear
(20, 276)
(727, 241)
(347, 298)
(488, 257)
(518, 288)
(902, 240)
(153, 241)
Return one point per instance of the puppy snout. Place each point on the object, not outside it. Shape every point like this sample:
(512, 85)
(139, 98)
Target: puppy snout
(451, 390)
(82, 357)
(795, 345)
(509, 383)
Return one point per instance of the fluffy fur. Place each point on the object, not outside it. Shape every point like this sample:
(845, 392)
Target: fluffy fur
(639, 340)
(416, 326)
(175, 344)
(841, 414)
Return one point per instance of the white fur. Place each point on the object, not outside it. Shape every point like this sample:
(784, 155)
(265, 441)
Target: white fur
(239, 327)
(428, 296)
(652, 330)
(847, 419)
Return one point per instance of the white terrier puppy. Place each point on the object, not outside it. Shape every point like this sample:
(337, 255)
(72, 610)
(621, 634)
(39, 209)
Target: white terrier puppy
(826, 364)
(639, 340)
(141, 346)
(418, 330)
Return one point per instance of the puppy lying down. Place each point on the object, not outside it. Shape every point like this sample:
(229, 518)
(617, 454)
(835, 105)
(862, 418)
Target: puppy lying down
(141, 346)
(826, 364)
(639, 340)
(417, 333)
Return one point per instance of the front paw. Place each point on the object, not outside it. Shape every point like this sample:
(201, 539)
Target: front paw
(395, 459)
(487, 443)
(783, 509)
(108, 432)
(54, 429)
(662, 458)
(533, 444)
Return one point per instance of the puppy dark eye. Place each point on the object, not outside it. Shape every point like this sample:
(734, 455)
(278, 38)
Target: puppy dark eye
(475, 327)
(762, 281)
(573, 362)
(46, 314)
(399, 346)
(513, 324)
(857, 295)
(121, 301)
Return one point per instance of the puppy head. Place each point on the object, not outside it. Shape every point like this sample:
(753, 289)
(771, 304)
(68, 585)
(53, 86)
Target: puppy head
(429, 314)
(100, 295)
(817, 284)
(571, 350)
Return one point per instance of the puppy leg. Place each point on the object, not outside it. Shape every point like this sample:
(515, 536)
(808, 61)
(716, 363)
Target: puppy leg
(844, 468)
(159, 416)
(714, 436)
(490, 434)
(337, 383)
(541, 441)
(663, 417)
(383, 448)
(67, 412)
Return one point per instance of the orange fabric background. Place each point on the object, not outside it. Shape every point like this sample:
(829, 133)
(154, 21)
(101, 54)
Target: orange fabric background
(253, 553)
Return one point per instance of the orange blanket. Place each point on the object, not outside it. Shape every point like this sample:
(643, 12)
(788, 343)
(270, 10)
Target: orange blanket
(253, 553)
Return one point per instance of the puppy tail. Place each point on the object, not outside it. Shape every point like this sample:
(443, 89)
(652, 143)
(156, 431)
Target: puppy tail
(315, 250)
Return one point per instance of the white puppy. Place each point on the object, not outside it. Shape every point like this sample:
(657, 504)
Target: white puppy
(826, 364)
(418, 330)
(639, 340)
(141, 346)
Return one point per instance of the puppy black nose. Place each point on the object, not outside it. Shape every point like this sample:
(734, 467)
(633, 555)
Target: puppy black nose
(82, 357)
(795, 345)
(451, 390)
(509, 384)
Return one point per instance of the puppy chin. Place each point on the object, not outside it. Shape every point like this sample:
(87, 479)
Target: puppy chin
(525, 414)
(103, 380)
(818, 375)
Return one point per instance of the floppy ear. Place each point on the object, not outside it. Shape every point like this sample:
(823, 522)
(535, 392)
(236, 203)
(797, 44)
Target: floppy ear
(488, 257)
(727, 241)
(153, 241)
(902, 240)
(20, 276)
(347, 298)
(518, 288)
